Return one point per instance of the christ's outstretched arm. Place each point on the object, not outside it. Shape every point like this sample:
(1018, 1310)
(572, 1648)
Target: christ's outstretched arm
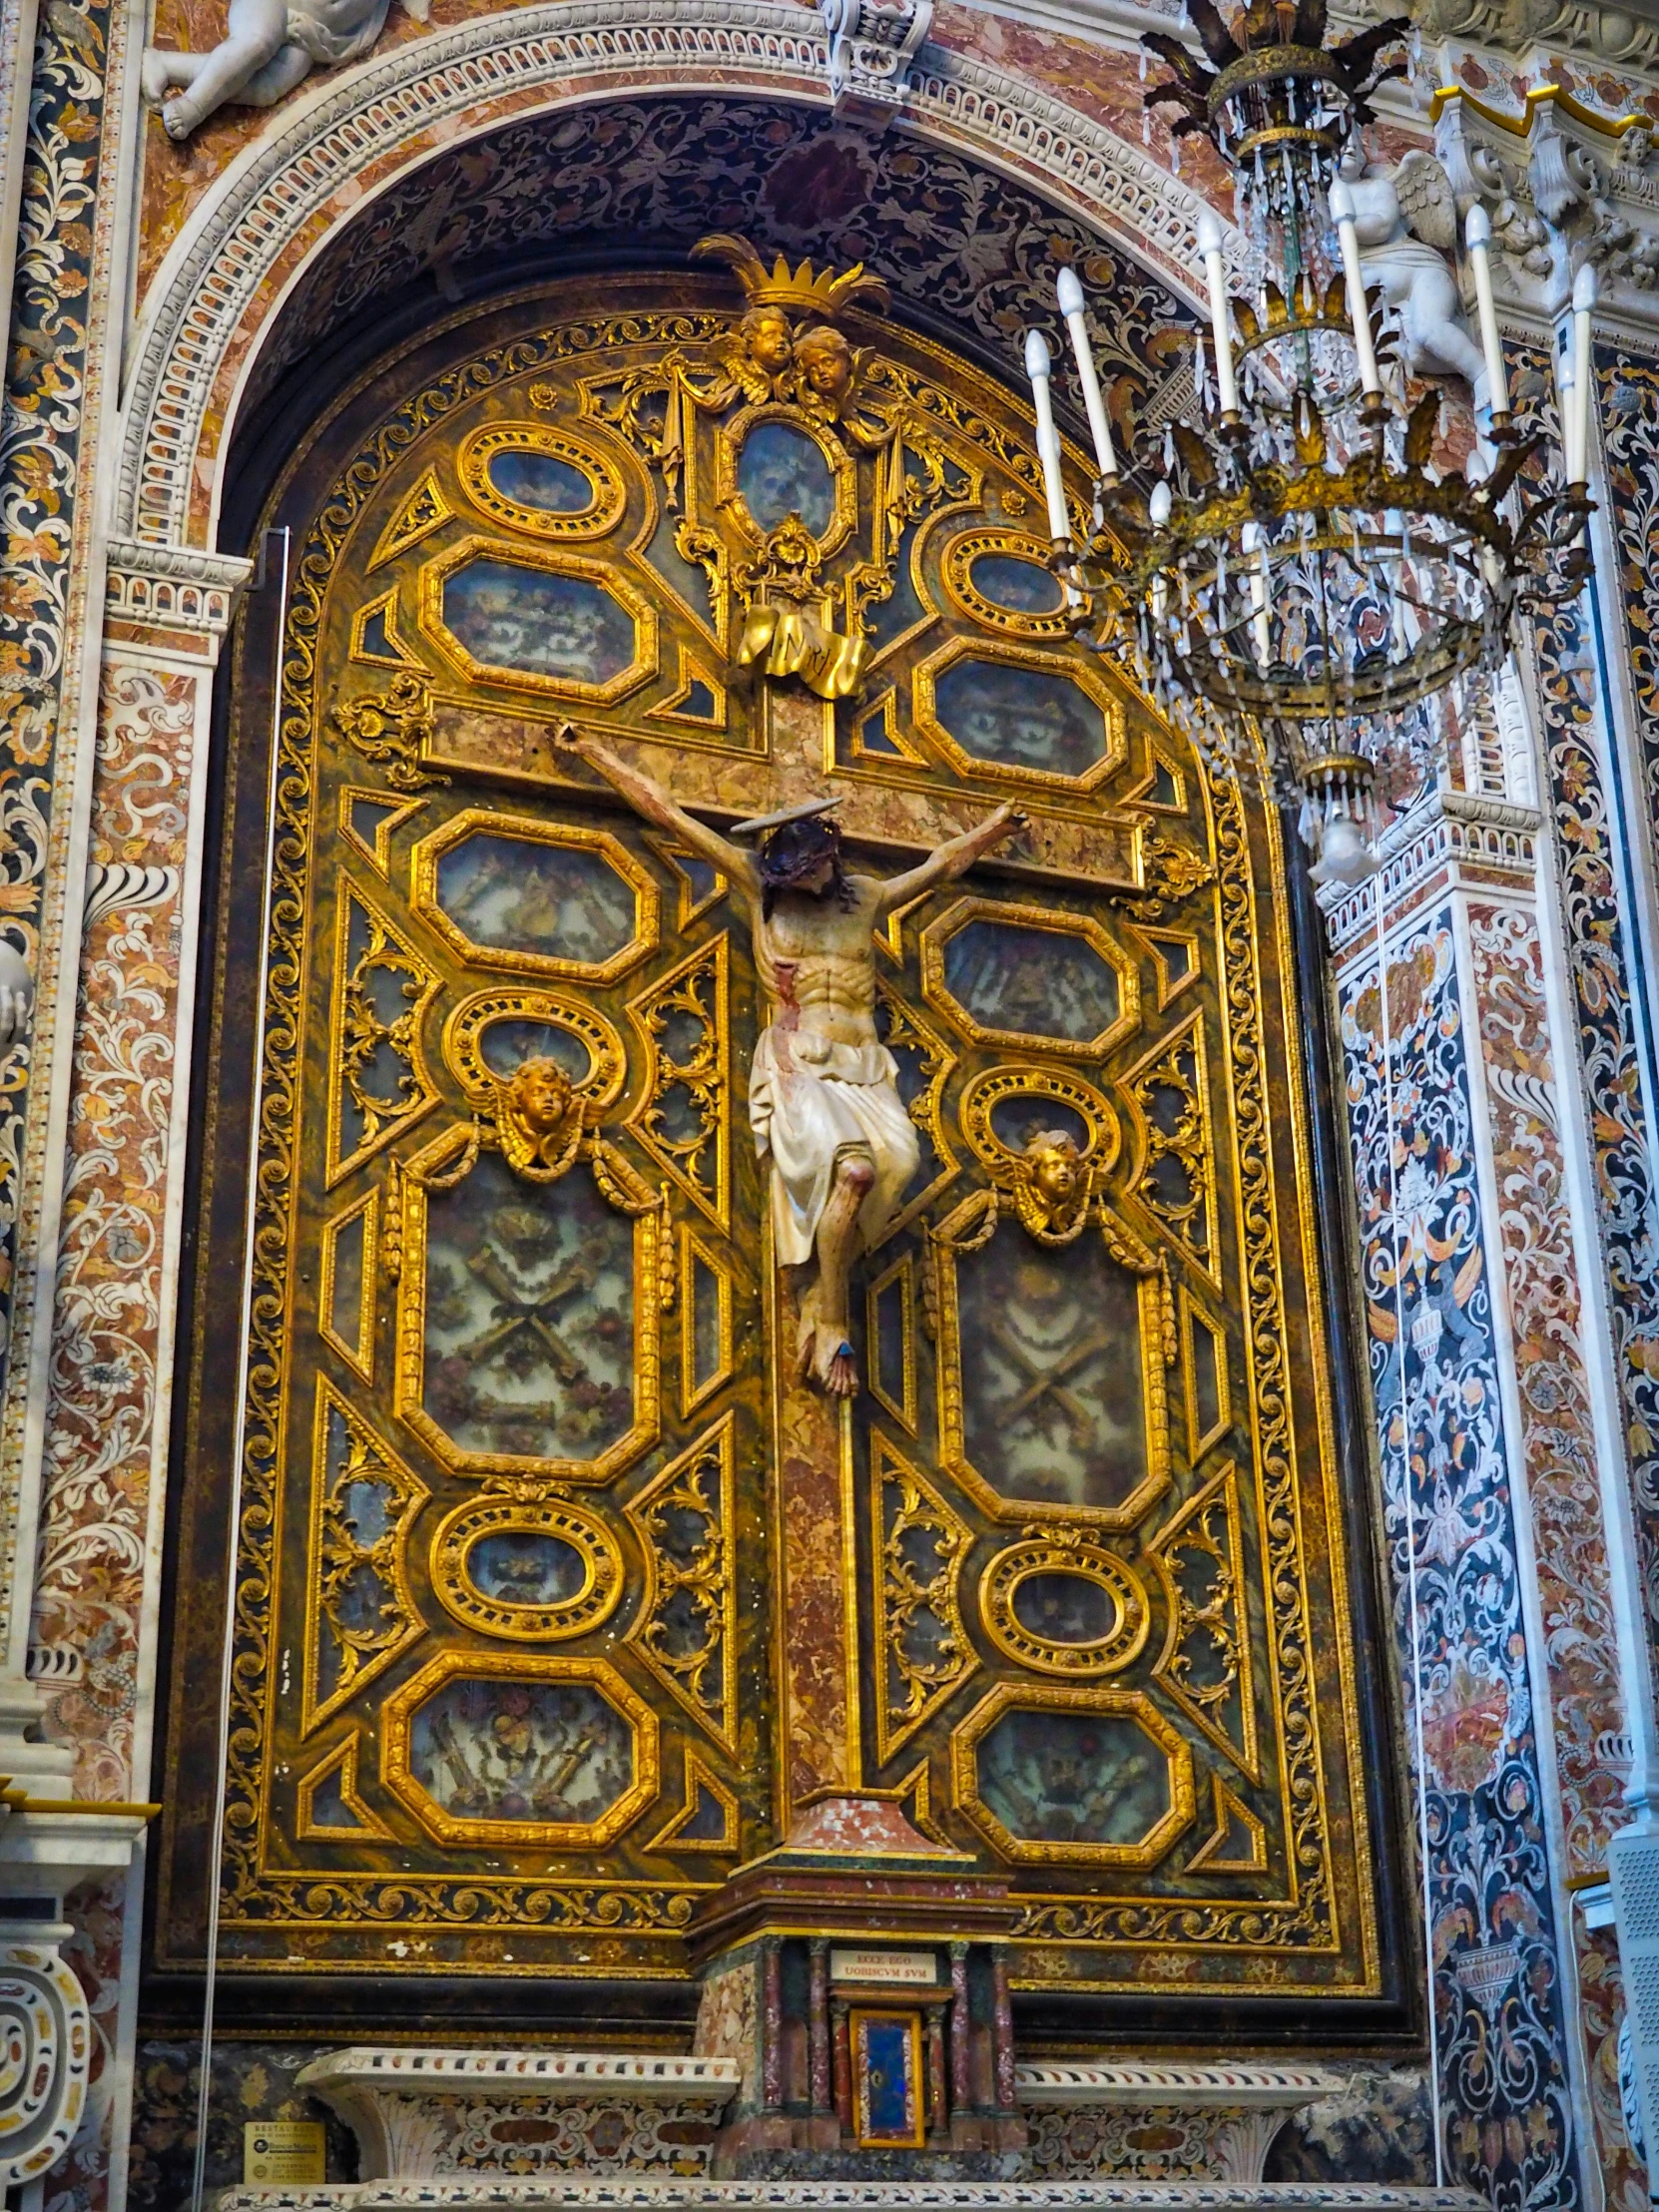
(948, 861)
(648, 798)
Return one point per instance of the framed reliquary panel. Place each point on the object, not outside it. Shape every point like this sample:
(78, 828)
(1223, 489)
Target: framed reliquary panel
(505, 1693)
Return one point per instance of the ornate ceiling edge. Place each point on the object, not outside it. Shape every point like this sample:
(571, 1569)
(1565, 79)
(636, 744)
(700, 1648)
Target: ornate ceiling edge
(217, 269)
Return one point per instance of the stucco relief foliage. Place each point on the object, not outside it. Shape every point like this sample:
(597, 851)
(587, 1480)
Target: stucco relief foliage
(1448, 1516)
(45, 392)
(108, 1312)
(966, 245)
(1559, 1435)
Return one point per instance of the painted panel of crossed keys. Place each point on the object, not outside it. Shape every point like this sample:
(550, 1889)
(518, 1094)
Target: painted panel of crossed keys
(505, 1607)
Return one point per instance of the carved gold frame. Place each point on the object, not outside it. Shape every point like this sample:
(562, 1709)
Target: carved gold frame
(1088, 678)
(958, 569)
(586, 1609)
(470, 1021)
(314, 1707)
(410, 1369)
(1042, 1696)
(396, 1718)
(956, 1239)
(607, 575)
(609, 494)
(844, 475)
(937, 935)
(339, 1164)
(367, 1211)
(1066, 1551)
(562, 837)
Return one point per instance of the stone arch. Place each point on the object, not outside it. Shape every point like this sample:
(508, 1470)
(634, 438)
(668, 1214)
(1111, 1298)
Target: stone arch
(335, 151)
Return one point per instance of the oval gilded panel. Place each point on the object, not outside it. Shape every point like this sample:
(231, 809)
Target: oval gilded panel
(537, 1572)
(1002, 579)
(540, 480)
(1065, 1606)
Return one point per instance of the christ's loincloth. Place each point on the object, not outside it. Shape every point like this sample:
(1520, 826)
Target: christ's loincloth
(811, 1101)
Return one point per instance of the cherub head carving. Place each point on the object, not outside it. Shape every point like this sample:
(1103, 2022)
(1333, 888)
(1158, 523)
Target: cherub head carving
(766, 337)
(538, 1119)
(826, 369)
(1055, 1185)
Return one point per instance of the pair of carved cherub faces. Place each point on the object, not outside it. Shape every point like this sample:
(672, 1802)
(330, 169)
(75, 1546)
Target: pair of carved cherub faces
(819, 362)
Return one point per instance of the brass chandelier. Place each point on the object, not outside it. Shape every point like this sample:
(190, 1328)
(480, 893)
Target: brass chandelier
(1291, 551)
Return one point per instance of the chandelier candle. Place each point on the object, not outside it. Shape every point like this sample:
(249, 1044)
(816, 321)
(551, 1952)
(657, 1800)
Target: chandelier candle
(1039, 367)
(1220, 316)
(1478, 237)
(1070, 294)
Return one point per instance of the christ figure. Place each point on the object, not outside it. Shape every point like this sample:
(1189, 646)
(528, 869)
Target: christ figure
(824, 1097)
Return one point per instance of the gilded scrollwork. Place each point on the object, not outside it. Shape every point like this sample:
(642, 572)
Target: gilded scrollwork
(380, 1082)
(683, 1115)
(1169, 1096)
(687, 1627)
(392, 729)
(362, 1613)
(922, 1650)
(1206, 1661)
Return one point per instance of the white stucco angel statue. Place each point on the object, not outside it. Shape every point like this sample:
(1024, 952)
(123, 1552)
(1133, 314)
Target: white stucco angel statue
(269, 47)
(1406, 223)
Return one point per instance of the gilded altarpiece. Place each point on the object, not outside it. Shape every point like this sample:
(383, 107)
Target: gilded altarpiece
(506, 1696)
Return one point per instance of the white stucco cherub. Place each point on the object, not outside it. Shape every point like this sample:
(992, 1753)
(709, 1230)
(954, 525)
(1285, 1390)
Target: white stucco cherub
(269, 47)
(1406, 223)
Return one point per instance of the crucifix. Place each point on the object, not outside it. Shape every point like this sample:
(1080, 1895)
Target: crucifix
(823, 1099)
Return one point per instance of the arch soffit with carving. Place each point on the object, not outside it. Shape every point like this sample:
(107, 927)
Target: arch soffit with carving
(326, 162)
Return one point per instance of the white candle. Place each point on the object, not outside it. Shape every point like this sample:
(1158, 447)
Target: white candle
(1038, 366)
(1221, 312)
(1583, 306)
(1342, 210)
(1478, 237)
(1567, 399)
(1253, 542)
(1071, 306)
(1158, 511)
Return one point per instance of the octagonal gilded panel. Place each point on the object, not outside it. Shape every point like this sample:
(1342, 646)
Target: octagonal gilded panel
(1016, 712)
(526, 1325)
(538, 618)
(1030, 976)
(505, 1748)
(508, 891)
(1054, 1775)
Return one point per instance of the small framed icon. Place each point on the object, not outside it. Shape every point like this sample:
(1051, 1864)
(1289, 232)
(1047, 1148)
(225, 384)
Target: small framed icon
(887, 2080)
